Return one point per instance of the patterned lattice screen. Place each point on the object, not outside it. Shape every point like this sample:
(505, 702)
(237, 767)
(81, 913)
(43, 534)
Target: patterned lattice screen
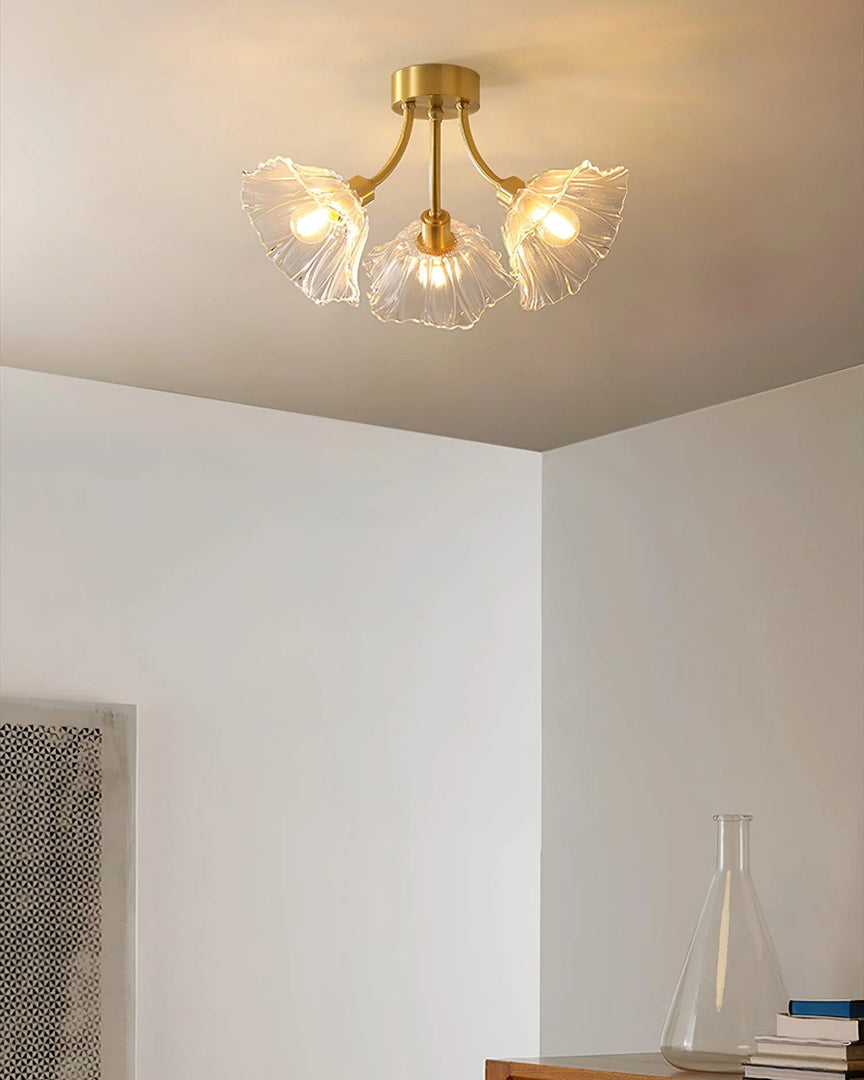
(50, 901)
(55, 804)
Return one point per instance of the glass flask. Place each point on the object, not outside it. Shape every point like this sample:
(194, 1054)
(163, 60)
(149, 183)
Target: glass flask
(730, 987)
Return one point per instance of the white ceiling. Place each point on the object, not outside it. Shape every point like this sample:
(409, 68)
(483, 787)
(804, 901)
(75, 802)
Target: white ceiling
(738, 266)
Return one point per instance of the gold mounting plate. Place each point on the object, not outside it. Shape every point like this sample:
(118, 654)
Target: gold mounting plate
(448, 83)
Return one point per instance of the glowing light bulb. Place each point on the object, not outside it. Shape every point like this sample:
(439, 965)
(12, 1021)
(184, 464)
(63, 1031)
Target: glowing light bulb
(438, 277)
(559, 227)
(556, 225)
(312, 225)
(432, 272)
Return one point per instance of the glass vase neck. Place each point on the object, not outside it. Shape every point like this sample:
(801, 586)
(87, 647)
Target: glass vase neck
(733, 841)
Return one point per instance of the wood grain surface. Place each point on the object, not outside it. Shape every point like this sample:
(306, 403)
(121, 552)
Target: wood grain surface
(594, 1067)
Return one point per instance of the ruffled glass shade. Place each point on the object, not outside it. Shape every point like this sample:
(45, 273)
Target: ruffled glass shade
(312, 224)
(559, 227)
(450, 291)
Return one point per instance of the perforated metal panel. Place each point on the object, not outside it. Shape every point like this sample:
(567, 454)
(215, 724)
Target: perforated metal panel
(61, 828)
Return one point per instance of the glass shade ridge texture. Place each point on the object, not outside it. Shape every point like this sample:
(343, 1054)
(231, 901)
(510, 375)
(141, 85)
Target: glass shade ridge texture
(730, 987)
(559, 226)
(312, 224)
(450, 290)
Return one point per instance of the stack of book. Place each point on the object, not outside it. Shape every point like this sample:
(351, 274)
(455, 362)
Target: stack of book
(815, 1040)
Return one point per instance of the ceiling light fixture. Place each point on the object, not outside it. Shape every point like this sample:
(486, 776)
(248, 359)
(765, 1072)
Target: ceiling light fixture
(436, 271)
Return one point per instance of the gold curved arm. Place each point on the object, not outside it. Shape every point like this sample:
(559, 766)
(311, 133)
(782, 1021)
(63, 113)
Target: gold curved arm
(364, 186)
(507, 186)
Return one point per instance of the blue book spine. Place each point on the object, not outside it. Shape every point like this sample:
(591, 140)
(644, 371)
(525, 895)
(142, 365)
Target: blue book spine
(851, 1009)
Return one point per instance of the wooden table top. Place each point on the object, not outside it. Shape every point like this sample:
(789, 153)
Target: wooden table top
(593, 1067)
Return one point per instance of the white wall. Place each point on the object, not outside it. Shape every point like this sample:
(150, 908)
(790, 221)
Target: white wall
(702, 641)
(332, 635)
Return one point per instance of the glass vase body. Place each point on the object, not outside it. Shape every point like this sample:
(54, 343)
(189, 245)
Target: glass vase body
(730, 987)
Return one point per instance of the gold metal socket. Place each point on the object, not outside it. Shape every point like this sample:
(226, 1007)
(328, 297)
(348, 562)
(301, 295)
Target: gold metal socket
(509, 188)
(448, 82)
(363, 188)
(435, 236)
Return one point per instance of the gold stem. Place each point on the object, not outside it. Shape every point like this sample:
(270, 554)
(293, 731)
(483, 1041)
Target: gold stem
(436, 237)
(507, 186)
(436, 116)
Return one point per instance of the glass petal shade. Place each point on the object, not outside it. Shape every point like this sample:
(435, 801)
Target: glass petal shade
(312, 225)
(559, 227)
(449, 291)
